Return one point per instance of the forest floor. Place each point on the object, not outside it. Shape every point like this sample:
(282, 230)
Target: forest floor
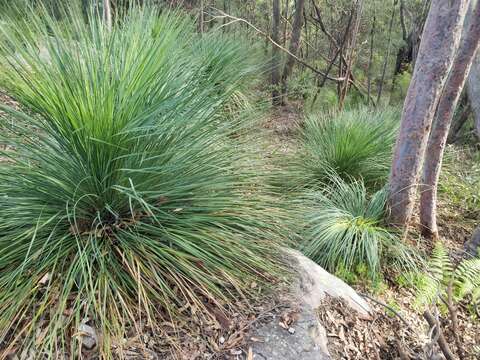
(396, 329)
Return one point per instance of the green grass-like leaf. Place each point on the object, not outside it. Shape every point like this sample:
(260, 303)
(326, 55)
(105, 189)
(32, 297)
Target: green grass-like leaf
(128, 195)
(345, 229)
(354, 144)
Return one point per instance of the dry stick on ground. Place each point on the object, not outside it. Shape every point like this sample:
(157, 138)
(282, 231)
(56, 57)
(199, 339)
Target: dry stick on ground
(234, 19)
(452, 309)
(401, 351)
(442, 343)
(390, 309)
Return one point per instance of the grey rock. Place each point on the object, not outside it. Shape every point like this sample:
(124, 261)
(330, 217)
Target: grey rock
(472, 247)
(314, 283)
(279, 344)
(309, 340)
(88, 336)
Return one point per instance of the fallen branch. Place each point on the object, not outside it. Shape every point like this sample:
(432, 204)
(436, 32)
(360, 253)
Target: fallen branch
(401, 351)
(452, 309)
(234, 19)
(437, 331)
(388, 308)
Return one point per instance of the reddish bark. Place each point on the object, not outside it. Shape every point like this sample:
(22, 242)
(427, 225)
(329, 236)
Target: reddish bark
(443, 119)
(440, 40)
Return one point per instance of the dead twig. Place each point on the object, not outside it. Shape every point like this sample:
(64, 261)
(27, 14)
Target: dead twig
(234, 19)
(390, 309)
(452, 309)
(401, 351)
(437, 331)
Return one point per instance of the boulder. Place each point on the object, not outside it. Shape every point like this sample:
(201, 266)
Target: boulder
(307, 338)
(472, 247)
(88, 336)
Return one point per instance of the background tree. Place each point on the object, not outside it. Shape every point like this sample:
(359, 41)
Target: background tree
(294, 44)
(276, 58)
(439, 43)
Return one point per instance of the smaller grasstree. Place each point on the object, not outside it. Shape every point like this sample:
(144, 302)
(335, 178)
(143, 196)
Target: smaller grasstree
(129, 197)
(345, 230)
(354, 144)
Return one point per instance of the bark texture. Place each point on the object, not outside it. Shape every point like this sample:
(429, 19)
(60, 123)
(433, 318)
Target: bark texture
(107, 14)
(443, 119)
(440, 40)
(276, 58)
(473, 89)
(294, 44)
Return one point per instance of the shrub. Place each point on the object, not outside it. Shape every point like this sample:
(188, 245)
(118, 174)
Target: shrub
(344, 230)
(126, 197)
(355, 144)
(433, 284)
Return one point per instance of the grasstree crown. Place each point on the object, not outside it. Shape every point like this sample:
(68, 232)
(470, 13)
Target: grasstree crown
(129, 194)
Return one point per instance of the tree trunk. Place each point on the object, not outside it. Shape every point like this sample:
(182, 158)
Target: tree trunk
(294, 43)
(353, 43)
(439, 43)
(201, 19)
(370, 58)
(473, 90)
(276, 58)
(107, 14)
(443, 119)
(387, 54)
(285, 25)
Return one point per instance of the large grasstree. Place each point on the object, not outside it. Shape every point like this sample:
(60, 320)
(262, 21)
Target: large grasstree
(127, 196)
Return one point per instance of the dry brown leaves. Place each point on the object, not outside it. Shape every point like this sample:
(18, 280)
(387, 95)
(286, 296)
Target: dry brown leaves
(351, 338)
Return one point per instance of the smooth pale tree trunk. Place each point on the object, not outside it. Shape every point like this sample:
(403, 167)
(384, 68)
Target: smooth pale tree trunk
(294, 44)
(276, 58)
(473, 90)
(107, 14)
(440, 40)
(443, 119)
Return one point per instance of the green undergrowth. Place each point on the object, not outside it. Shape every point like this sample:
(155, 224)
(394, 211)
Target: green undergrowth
(133, 195)
(335, 181)
(459, 185)
(345, 231)
(353, 144)
(443, 280)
